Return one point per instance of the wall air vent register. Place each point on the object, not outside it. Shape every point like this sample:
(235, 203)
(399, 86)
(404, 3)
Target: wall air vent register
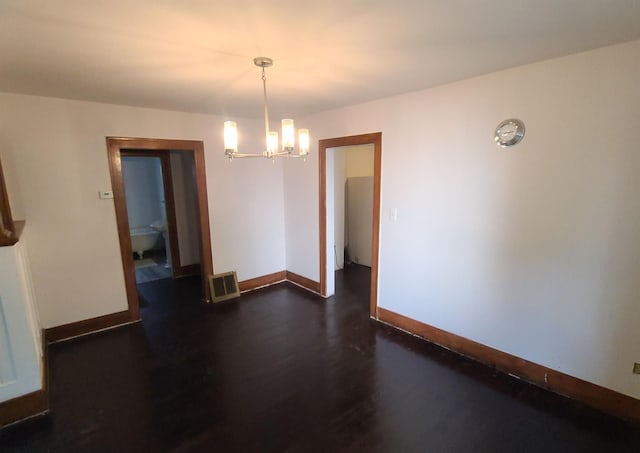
(224, 286)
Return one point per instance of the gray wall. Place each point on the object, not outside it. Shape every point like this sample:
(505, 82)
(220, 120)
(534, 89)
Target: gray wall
(143, 190)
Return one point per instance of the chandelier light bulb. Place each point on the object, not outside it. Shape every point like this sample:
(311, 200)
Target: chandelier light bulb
(230, 137)
(272, 144)
(288, 135)
(303, 141)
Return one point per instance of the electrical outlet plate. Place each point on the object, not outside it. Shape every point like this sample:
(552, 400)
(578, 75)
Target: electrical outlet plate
(636, 368)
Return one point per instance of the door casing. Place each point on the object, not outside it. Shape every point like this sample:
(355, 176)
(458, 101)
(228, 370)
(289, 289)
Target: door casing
(374, 139)
(116, 146)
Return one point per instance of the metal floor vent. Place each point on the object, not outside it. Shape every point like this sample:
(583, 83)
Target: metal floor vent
(224, 286)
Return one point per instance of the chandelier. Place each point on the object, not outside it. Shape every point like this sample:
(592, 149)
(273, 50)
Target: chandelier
(273, 149)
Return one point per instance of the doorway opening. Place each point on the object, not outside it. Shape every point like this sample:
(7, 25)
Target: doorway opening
(163, 233)
(361, 234)
(149, 198)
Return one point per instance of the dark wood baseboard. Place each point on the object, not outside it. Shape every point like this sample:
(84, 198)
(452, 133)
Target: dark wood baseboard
(23, 407)
(305, 282)
(264, 280)
(594, 395)
(278, 277)
(87, 326)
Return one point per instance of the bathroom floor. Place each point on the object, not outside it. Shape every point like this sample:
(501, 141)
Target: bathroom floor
(151, 267)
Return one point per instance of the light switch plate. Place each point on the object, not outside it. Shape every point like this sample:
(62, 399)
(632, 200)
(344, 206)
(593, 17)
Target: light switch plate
(105, 194)
(636, 368)
(393, 214)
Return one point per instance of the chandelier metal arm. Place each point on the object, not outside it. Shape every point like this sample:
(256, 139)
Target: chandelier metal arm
(240, 156)
(263, 155)
(287, 154)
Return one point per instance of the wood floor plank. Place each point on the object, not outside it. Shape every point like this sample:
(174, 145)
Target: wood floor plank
(283, 370)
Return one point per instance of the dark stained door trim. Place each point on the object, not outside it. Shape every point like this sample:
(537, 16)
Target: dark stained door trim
(170, 206)
(374, 139)
(115, 147)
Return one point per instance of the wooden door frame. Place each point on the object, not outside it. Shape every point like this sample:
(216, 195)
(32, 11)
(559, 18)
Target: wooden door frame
(374, 139)
(115, 145)
(170, 205)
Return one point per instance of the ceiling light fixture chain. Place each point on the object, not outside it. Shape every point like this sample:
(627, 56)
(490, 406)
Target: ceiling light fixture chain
(288, 147)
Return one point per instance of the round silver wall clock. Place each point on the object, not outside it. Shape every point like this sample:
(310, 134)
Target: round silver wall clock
(509, 132)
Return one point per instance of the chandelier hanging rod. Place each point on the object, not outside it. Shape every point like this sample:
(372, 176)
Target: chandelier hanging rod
(264, 62)
(271, 137)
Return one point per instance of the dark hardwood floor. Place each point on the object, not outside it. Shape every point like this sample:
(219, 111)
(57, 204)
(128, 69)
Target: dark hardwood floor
(282, 370)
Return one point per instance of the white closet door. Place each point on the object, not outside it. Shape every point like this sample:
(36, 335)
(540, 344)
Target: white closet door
(20, 364)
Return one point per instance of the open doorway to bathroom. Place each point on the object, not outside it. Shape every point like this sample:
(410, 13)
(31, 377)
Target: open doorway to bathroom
(149, 195)
(160, 195)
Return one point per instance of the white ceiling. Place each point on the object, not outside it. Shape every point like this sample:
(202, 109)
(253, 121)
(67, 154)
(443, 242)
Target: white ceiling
(197, 55)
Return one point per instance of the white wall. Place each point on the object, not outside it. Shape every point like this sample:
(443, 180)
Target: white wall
(347, 162)
(359, 180)
(359, 160)
(186, 204)
(360, 215)
(143, 193)
(532, 250)
(55, 158)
